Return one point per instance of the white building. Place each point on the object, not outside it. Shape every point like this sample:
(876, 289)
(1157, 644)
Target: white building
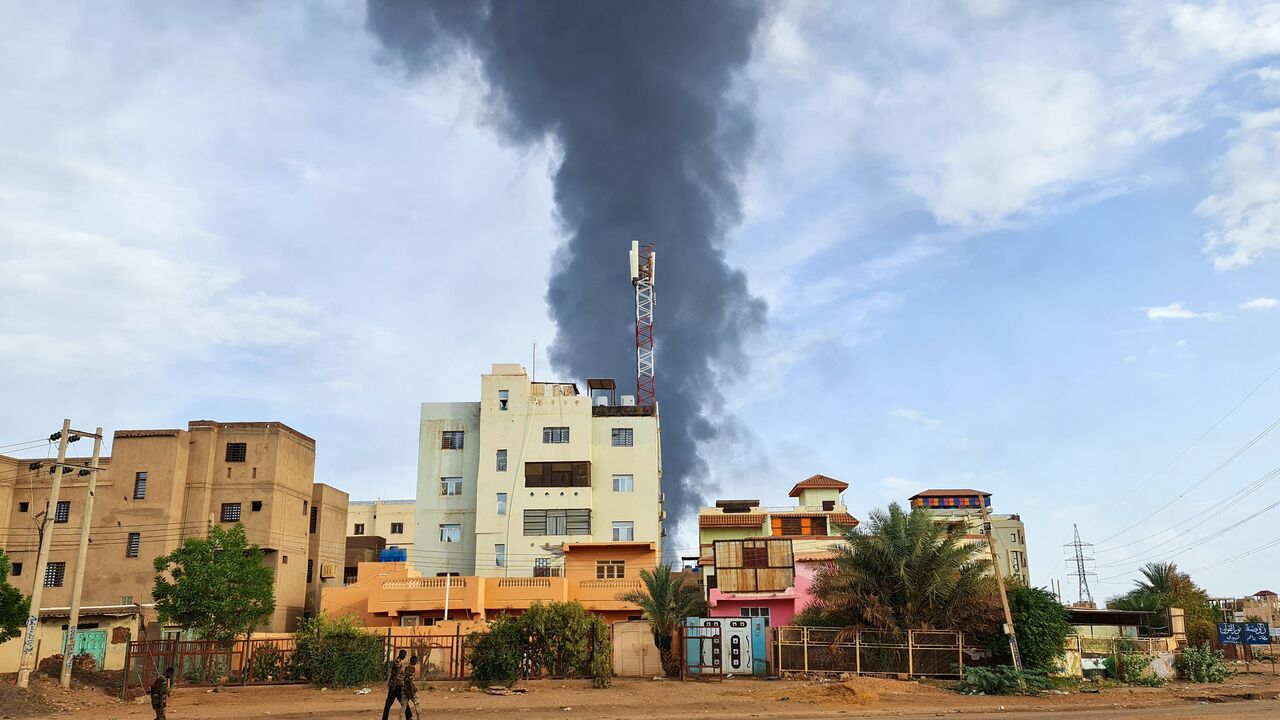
(505, 482)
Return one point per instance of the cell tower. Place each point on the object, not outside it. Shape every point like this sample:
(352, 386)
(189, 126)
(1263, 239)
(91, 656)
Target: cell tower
(1082, 563)
(643, 260)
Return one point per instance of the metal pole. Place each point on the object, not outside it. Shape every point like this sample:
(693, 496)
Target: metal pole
(27, 663)
(911, 659)
(1004, 597)
(77, 585)
(448, 581)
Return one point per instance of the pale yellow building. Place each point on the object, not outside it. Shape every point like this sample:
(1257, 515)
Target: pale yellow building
(392, 520)
(159, 488)
(964, 507)
(505, 483)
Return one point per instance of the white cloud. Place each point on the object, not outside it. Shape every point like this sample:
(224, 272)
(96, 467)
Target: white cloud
(898, 484)
(1244, 210)
(1175, 311)
(916, 416)
(1262, 303)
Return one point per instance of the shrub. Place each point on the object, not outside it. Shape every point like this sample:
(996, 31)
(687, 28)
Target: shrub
(337, 653)
(1002, 680)
(268, 663)
(495, 655)
(1202, 664)
(556, 639)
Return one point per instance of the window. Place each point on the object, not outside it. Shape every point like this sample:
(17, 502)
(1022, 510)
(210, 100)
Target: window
(350, 574)
(755, 557)
(610, 569)
(310, 570)
(504, 397)
(1013, 538)
(54, 574)
(557, 474)
(63, 513)
(451, 533)
(24, 507)
(359, 529)
(624, 531)
(16, 570)
(315, 518)
(542, 567)
(284, 559)
(230, 512)
(451, 486)
(1016, 564)
(828, 505)
(256, 506)
(139, 486)
(622, 437)
(236, 452)
(555, 435)
(502, 503)
(502, 461)
(306, 507)
(397, 528)
(799, 525)
(451, 439)
(126, 599)
(253, 473)
(753, 612)
(575, 521)
(624, 483)
(500, 555)
(135, 544)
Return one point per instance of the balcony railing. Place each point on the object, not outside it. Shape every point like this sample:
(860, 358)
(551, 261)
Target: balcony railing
(424, 583)
(533, 582)
(617, 584)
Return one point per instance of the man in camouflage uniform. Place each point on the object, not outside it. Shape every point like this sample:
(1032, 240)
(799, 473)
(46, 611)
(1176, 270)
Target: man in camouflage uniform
(395, 674)
(409, 690)
(160, 692)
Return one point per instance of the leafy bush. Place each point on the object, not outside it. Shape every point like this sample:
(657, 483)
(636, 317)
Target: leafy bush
(1002, 680)
(556, 639)
(815, 616)
(268, 663)
(337, 653)
(1202, 664)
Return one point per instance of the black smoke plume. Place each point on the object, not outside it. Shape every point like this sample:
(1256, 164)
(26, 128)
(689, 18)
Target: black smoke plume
(638, 97)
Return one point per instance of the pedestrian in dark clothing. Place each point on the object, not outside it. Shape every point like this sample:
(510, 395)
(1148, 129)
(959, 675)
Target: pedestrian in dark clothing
(395, 672)
(160, 693)
(409, 690)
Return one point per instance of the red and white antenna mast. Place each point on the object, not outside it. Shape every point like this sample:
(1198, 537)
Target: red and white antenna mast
(643, 259)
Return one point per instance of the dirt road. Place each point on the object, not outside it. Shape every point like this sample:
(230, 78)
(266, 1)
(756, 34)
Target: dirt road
(1252, 696)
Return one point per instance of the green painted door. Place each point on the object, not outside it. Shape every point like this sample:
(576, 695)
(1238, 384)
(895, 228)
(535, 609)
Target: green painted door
(93, 642)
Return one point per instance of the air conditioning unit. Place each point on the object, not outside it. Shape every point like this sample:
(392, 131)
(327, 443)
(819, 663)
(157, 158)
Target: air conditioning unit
(328, 570)
(627, 400)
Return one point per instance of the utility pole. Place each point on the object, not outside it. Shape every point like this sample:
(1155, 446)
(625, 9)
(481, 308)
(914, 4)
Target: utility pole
(1081, 574)
(1004, 597)
(73, 623)
(27, 663)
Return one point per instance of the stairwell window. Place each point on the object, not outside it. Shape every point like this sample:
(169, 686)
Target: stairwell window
(310, 570)
(358, 530)
(450, 533)
(16, 569)
(63, 512)
(315, 517)
(230, 512)
(502, 503)
(624, 483)
(134, 546)
(504, 397)
(555, 435)
(139, 486)
(451, 439)
(397, 528)
(500, 555)
(54, 574)
(624, 531)
(502, 461)
(236, 452)
(451, 486)
(622, 437)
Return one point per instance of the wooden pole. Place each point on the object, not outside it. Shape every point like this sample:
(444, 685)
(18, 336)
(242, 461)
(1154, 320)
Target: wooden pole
(1004, 596)
(77, 584)
(27, 663)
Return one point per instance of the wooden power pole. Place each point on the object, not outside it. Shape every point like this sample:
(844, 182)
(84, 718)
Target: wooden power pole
(27, 663)
(73, 623)
(1004, 596)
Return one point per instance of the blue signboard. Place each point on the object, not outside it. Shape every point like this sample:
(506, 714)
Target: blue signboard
(1257, 634)
(1230, 633)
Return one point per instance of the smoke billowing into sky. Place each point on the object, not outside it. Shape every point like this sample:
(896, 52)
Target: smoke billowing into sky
(637, 97)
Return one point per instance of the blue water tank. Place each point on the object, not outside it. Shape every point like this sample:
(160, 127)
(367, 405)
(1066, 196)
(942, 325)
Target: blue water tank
(394, 554)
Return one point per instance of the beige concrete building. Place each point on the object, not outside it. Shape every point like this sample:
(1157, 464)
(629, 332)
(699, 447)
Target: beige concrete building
(161, 487)
(963, 507)
(506, 482)
(374, 525)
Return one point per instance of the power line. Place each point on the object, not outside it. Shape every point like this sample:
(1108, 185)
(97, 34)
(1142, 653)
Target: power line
(1194, 543)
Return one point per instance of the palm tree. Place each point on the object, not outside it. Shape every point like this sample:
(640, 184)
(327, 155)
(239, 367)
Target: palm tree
(907, 571)
(667, 600)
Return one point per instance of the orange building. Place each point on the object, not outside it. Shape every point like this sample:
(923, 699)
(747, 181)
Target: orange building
(387, 594)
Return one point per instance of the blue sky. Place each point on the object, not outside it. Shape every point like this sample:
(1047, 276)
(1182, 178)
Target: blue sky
(1029, 248)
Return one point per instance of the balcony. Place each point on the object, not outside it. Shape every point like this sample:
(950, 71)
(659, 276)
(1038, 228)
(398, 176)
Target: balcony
(518, 593)
(426, 594)
(603, 594)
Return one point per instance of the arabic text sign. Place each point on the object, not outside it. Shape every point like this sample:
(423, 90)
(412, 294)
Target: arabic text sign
(1257, 634)
(1230, 633)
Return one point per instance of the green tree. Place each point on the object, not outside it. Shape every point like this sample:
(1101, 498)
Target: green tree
(1042, 627)
(1163, 586)
(667, 599)
(215, 586)
(907, 571)
(14, 606)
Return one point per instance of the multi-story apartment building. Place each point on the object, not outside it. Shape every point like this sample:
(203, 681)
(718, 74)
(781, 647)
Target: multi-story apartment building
(161, 487)
(963, 508)
(377, 525)
(760, 562)
(504, 484)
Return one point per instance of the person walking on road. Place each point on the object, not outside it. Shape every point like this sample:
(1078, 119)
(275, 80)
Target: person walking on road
(395, 673)
(409, 690)
(160, 693)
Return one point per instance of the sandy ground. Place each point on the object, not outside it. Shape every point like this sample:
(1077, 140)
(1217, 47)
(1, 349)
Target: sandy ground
(1245, 696)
